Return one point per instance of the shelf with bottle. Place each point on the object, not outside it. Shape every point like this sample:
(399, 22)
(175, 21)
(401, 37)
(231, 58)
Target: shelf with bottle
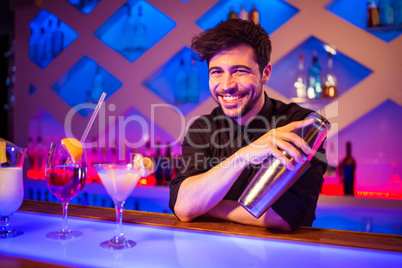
(270, 14)
(85, 6)
(49, 37)
(315, 72)
(181, 81)
(134, 28)
(382, 18)
(84, 83)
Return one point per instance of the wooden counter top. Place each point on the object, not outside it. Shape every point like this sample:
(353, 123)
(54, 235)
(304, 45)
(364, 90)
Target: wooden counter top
(303, 234)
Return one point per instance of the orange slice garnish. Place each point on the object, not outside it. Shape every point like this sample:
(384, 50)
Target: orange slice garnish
(3, 156)
(73, 147)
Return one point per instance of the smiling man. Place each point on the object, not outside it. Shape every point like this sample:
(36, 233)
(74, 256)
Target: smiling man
(223, 150)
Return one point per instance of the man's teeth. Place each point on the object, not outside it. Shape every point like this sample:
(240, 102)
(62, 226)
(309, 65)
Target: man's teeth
(230, 98)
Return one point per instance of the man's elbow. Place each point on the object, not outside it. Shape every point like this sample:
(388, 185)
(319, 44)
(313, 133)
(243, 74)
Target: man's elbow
(183, 214)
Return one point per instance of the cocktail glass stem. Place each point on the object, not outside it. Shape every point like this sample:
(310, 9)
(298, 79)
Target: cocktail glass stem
(119, 219)
(64, 228)
(118, 241)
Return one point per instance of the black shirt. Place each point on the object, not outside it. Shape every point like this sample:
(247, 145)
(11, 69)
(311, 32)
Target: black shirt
(214, 137)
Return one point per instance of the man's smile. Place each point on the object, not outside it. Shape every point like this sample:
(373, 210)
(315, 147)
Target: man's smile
(232, 99)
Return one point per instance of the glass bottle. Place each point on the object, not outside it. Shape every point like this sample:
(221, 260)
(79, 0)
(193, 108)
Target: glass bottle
(347, 169)
(128, 31)
(373, 15)
(232, 14)
(314, 89)
(140, 32)
(57, 40)
(330, 80)
(243, 14)
(300, 81)
(254, 15)
(397, 8)
(386, 13)
(193, 83)
(97, 85)
(180, 90)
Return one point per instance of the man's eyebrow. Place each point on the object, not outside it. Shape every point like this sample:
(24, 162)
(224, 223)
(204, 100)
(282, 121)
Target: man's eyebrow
(214, 68)
(232, 67)
(240, 67)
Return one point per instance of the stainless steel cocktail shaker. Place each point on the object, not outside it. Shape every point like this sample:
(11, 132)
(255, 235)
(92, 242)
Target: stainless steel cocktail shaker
(273, 179)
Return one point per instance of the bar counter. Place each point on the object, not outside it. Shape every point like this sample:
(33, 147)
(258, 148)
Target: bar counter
(163, 241)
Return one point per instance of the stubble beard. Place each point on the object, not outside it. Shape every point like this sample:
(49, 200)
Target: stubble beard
(244, 109)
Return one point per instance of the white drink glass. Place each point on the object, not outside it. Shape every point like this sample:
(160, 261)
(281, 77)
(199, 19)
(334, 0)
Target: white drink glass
(119, 181)
(11, 188)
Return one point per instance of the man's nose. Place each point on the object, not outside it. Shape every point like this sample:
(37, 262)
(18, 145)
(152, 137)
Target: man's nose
(228, 83)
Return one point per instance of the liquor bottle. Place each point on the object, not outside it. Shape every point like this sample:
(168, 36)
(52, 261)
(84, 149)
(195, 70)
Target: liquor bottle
(39, 48)
(397, 8)
(193, 84)
(40, 154)
(330, 82)
(128, 31)
(180, 91)
(140, 32)
(254, 15)
(97, 85)
(168, 167)
(243, 14)
(48, 44)
(31, 154)
(373, 15)
(300, 81)
(32, 44)
(332, 162)
(57, 40)
(347, 169)
(232, 14)
(314, 88)
(158, 159)
(386, 13)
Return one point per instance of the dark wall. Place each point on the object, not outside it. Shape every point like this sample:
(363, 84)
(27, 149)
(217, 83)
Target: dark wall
(6, 30)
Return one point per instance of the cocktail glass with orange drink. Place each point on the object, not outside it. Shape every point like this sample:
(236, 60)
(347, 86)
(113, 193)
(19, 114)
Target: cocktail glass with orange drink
(66, 173)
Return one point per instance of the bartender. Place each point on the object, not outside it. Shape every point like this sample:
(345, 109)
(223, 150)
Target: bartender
(221, 151)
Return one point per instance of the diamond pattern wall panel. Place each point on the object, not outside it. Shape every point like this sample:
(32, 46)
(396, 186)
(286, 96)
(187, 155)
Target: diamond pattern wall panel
(85, 6)
(272, 13)
(49, 37)
(84, 83)
(348, 71)
(181, 81)
(357, 15)
(134, 28)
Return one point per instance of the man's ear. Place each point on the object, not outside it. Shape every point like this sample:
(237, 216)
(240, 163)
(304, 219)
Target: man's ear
(266, 73)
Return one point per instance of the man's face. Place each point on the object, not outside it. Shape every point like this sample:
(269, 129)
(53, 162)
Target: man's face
(235, 81)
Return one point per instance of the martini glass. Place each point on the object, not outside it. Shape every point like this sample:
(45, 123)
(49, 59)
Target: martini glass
(11, 187)
(119, 181)
(65, 178)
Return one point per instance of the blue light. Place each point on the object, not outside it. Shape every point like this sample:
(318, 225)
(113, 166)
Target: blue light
(156, 24)
(272, 13)
(47, 32)
(355, 12)
(163, 81)
(76, 86)
(284, 70)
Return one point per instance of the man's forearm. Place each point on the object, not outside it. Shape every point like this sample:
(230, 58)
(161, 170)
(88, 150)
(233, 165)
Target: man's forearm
(232, 211)
(198, 194)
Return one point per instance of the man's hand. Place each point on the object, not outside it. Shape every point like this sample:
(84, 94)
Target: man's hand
(276, 140)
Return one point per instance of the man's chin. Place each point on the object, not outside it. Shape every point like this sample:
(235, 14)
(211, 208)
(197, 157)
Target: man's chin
(232, 113)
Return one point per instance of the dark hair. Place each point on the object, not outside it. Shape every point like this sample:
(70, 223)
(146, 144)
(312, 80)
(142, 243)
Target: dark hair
(230, 33)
